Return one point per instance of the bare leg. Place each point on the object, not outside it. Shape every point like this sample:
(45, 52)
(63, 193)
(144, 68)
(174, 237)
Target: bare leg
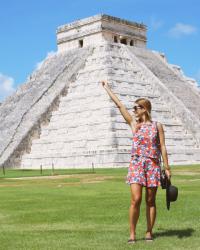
(134, 212)
(150, 209)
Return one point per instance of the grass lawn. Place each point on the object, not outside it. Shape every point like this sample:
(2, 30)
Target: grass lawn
(79, 209)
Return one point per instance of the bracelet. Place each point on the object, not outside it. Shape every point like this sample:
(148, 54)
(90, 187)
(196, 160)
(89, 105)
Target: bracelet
(167, 168)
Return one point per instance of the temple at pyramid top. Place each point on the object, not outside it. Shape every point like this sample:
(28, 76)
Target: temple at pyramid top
(100, 28)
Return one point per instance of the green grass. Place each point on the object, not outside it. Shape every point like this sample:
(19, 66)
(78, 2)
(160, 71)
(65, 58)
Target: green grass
(13, 173)
(86, 210)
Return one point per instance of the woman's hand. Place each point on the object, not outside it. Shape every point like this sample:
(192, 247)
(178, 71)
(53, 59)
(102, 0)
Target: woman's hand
(128, 118)
(104, 83)
(168, 173)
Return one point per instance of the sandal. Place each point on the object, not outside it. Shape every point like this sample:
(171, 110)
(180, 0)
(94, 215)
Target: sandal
(149, 239)
(131, 241)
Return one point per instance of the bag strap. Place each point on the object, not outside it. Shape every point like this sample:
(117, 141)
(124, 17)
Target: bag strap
(161, 161)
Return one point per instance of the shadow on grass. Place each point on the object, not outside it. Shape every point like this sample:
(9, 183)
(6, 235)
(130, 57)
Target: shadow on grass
(182, 233)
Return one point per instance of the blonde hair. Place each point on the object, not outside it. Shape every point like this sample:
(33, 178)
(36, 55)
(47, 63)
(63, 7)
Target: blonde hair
(145, 103)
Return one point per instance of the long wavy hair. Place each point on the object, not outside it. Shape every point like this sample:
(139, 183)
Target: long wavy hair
(147, 105)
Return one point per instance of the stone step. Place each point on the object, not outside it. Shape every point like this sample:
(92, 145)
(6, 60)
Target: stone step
(180, 88)
(97, 159)
(29, 104)
(118, 135)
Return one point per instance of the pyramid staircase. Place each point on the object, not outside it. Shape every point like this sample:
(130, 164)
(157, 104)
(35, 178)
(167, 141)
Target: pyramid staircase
(174, 82)
(87, 129)
(23, 113)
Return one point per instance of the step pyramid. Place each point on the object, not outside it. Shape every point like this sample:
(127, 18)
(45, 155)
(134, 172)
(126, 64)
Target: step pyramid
(63, 117)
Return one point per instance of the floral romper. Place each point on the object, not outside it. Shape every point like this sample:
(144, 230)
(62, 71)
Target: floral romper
(144, 167)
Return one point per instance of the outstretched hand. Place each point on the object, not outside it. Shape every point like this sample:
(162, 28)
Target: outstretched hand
(104, 83)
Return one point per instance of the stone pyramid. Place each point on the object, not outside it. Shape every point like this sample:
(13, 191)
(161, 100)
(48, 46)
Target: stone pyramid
(63, 117)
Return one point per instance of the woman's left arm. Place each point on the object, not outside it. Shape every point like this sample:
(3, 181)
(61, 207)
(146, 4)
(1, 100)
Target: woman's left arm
(163, 149)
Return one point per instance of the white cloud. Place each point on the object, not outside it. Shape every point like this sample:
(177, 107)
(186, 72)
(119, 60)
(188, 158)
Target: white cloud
(6, 86)
(155, 24)
(181, 29)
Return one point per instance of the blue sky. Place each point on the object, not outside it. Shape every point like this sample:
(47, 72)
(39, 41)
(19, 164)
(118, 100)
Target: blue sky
(28, 31)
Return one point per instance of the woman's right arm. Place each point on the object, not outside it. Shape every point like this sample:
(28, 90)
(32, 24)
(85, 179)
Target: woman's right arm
(128, 118)
(163, 150)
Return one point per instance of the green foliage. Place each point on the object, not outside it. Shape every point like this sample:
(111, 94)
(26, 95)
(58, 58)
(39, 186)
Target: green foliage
(79, 209)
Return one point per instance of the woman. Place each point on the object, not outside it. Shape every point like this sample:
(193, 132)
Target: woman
(144, 169)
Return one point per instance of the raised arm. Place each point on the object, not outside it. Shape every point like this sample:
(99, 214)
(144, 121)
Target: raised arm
(127, 116)
(163, 149)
